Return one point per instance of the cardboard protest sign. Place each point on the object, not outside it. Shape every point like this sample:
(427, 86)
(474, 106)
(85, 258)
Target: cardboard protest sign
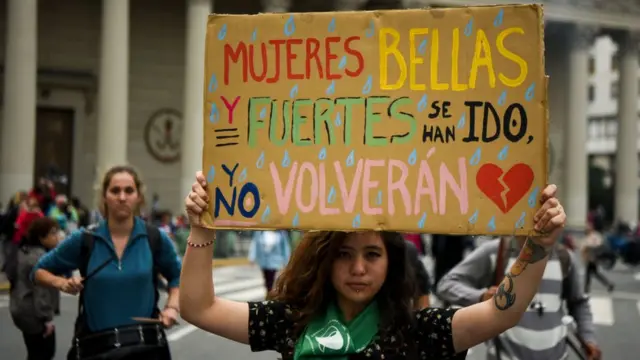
(429, 121)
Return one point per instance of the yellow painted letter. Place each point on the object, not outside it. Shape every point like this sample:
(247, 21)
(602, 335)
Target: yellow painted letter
(524, 69)
(482, 46)
(413, 59)
(435, 85)
(386, 50)
(455, 57)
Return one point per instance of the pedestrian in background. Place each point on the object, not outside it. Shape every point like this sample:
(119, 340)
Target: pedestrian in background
(270, 250)
(33, 306)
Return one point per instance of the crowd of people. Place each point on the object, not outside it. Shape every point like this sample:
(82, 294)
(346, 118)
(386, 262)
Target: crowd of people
(369, 291)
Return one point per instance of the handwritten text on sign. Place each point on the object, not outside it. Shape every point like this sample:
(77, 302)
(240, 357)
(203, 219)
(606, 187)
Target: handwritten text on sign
(413, 120)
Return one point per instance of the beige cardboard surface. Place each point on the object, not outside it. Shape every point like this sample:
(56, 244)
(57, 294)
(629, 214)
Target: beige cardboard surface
(430, 121)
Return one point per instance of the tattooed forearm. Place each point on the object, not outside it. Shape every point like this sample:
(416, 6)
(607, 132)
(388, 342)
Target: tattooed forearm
(531, 253)
(505, 297)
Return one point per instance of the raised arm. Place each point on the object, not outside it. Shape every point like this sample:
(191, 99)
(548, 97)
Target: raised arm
(478, 323)
(198, 303)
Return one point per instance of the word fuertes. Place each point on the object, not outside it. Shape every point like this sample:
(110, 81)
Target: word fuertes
(258, 64)
(284, 121)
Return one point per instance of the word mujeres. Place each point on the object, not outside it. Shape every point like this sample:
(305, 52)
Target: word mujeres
(305, 185)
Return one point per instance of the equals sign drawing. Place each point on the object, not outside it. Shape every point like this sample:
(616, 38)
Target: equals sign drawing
(227, 137)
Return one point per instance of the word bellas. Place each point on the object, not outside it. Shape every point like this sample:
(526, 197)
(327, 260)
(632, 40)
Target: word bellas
(317, 59)
(482, 58)
(287, 124)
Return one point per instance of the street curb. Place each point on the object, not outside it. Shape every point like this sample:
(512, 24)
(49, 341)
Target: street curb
(236, 261)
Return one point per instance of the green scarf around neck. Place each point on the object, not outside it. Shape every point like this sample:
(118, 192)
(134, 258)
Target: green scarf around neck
(329, 337)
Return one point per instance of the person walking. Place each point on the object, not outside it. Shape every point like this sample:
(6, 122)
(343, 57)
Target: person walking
(120, 260)
(32, 306)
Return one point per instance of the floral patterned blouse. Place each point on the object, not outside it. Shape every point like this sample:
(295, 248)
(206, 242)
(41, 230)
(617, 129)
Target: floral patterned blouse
(271, 328)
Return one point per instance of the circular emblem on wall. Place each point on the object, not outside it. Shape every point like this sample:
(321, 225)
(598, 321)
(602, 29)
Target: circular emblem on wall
(162, 135)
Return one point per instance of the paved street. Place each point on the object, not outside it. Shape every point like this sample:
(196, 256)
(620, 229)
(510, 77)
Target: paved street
(617, 317)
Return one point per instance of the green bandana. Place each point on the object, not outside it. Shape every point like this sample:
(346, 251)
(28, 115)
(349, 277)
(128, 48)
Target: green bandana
(329, 337)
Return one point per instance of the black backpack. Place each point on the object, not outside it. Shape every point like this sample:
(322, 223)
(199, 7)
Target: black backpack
(88, 240)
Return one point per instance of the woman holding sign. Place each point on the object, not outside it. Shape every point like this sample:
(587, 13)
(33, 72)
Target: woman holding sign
(348, 295)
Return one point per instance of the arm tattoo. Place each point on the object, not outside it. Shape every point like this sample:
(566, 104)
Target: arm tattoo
(531, 253)
(505, 297)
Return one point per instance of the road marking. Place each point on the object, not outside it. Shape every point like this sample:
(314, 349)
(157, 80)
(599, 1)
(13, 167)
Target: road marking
(181, 332)
(246, 295)
(637, 276)
(602, 309)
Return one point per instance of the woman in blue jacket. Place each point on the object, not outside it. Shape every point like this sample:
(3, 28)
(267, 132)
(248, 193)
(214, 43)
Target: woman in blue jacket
(119, 259)
(270, 250)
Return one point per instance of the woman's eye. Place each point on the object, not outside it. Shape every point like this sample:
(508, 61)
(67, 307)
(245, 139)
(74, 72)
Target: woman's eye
(343, 254)
(373, 255)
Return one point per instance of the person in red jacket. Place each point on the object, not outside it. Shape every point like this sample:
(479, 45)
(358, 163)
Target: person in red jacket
(26, 217)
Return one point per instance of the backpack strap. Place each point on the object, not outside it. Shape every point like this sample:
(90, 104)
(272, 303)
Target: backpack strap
(86, 248)
(155, 244)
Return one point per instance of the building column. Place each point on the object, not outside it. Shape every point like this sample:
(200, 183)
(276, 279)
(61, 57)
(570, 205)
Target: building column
(276, 6)
(576, 185)
(113, 91)
(626, 165)
(192, 137)
(18, 139)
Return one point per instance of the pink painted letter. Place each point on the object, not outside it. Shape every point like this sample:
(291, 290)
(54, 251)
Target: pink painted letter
(283, 195)
(398, 185)
(311, 190)
(459, 189)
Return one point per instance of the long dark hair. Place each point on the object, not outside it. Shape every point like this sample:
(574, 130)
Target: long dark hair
(305, 284)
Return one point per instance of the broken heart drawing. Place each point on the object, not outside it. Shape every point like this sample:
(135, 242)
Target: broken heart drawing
(505, 189)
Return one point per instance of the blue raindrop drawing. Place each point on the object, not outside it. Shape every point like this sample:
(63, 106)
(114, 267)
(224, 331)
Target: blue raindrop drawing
(211, 175)
(332, 195)
(531, 91)
(214, 114)
(503, 153)
(520, 222)
(492, 224)
(469, 28)
(367, 86)
(343, 62)
(332, 25)
(285, 159)
(474, 218)
(379, 198)
(263, 113)
(260, 161)
(265, 215)
(338, 120)
(413, 157)
(294, 91)
(422, 48)
(502, 98)
(254, 35)
(475, 159)
(323, 154)
(371, 30)
(290, 26)
(331, 88)
(243, 175)
(350, 158)
(498, 19)
(422, 104)
(462, 121)
(356, 222)
(223, 32)
(213, 83)
(533, 198)
(296, 220)
(422, 220)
